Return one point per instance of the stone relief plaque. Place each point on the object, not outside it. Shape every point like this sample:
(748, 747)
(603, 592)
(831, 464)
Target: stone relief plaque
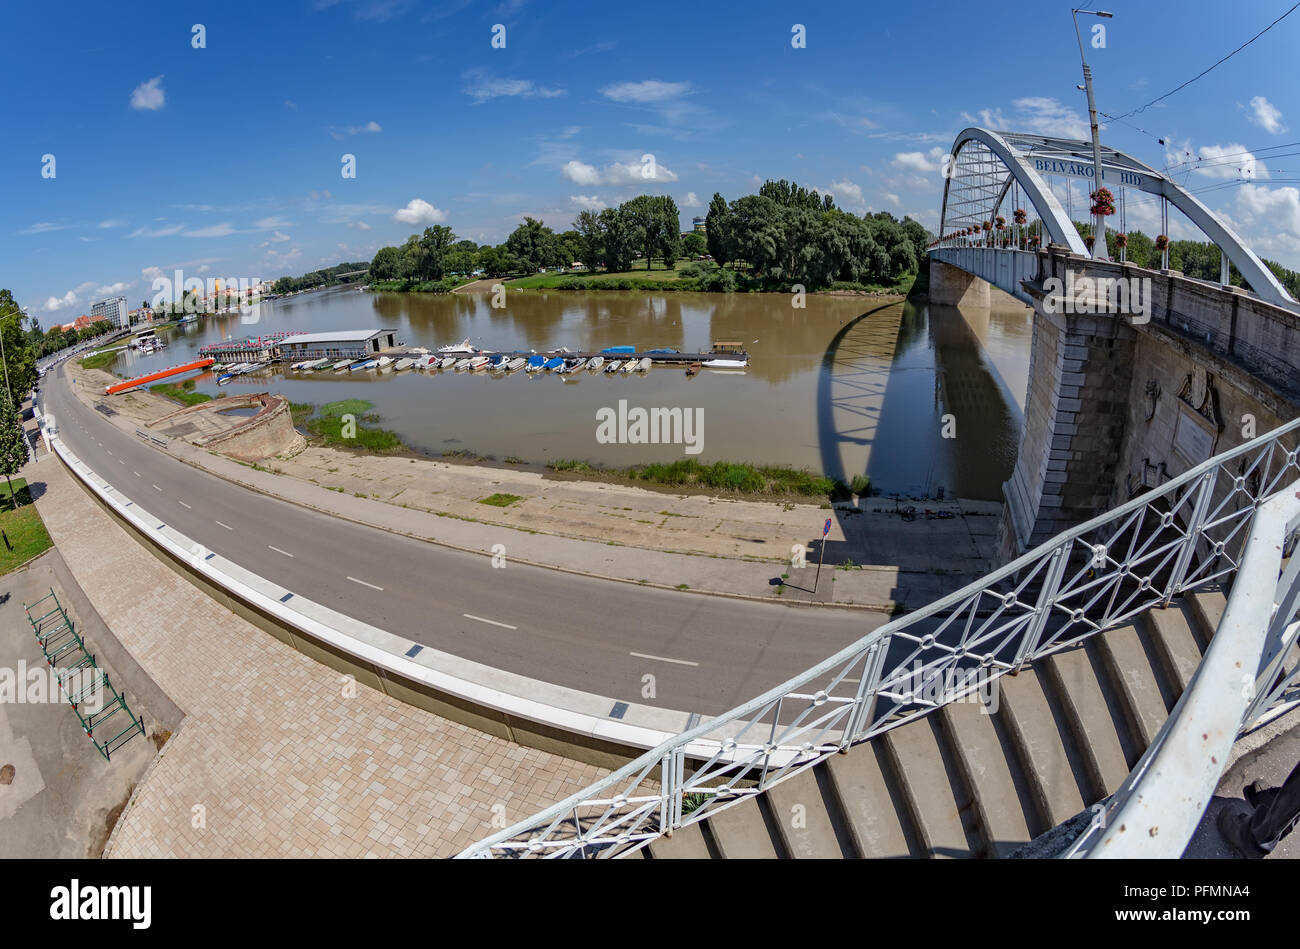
(1194, 437)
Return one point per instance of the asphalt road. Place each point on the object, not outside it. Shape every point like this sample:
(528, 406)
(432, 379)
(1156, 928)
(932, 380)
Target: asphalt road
(707, 654)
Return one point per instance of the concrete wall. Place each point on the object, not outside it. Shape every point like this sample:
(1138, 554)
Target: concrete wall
(1120, 403)
(267, 433)
(951, 286)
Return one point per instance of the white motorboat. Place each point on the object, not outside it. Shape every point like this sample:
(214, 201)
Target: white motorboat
(630, 366)
(516, 364)
(595, 362)
(613, 365)
(644, 365)
(462, 348)
(405, 363)
(725, 363)
(462, 364)
(342, 364)
(478, 362)
(448, 362)
(383, 362)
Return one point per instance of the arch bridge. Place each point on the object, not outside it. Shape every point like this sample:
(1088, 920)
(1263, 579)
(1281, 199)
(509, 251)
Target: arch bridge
(991, 175)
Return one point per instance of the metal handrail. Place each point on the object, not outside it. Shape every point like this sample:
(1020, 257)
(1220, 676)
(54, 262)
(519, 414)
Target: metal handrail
(1158, 808)
(1186, 534)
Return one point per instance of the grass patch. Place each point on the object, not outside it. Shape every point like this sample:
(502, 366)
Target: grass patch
(99, 360)
(23, 526)
(569, 464)
(345, 407)
(733, 476)
(182, 392)
(500, 500)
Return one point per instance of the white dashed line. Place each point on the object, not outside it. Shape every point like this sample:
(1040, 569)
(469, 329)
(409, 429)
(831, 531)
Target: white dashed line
(680, 662)
(279, 551)
(156, 488)
(136, 473)
(364, 584)
(226, 526)
(184, 505)
(491, 621)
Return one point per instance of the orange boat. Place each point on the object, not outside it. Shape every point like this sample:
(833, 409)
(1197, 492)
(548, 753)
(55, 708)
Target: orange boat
(155, 376)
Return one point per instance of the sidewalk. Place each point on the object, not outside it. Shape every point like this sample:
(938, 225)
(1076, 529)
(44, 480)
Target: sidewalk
(278, 755)
(875, 560)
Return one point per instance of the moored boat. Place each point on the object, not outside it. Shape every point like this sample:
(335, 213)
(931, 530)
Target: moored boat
(448, 362)
(462, 364)
(479, 362)
(363, 365)
(644, 364)
(595, 362)
(404, 363)
(464, 347)
(629, 366)
(535, 363)
(555, 362)
(613, 365)
(516, 364)
(342, 364)
(726, 363)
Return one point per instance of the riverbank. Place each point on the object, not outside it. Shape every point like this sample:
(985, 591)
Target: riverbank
(739, 546)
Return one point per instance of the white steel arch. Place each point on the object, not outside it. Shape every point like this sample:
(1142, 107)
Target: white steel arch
(983, 164)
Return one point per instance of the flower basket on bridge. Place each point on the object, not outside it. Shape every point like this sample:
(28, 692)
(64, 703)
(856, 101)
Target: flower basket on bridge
(1162, 243)
(1103, 202)
(1089, 242)
(1121, 241)
(1019, 216)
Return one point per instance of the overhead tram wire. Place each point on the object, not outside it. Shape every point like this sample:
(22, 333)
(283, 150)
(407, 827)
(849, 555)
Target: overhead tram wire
(1143, 108)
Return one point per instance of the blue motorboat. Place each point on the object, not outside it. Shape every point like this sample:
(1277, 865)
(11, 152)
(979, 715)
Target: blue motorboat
(664, 352)
(554, 362)
(365, 364)
(535, 363)
(624, 350)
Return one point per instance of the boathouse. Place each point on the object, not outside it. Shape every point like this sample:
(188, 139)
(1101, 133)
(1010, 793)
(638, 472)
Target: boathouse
(336, 344)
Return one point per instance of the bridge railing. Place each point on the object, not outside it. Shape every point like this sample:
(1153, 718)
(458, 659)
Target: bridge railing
(1187, 534)
(1249, 672)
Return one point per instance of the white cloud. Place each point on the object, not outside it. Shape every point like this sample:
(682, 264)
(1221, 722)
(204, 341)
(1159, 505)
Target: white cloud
(690, 201)
(581, 173)
(339, 133)
(212, 230)
(111, 289)
(892, 198)
(618, 173)
(277, 237)
(920, 161)
(356, 226)
(649, 90)
(1038, 114)
(1279, 207)
(112, 223)
(587, 202)
(60, 303)
(43, 227)
(149, 96)
(158, 232)
(481, 87)
(270, 223)
(419, 211)
(847, 191)
(1229, 162)
(1266, 115)
(150, 274)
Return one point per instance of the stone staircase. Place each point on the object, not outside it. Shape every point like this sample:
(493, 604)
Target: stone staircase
(970, 781)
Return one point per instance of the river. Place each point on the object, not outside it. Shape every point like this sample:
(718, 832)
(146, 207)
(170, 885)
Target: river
(844, 385)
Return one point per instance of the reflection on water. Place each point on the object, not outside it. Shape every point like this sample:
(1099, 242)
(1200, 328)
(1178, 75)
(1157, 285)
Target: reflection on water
(845, 385)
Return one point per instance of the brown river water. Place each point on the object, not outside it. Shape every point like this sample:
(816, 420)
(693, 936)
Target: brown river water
(844, 386)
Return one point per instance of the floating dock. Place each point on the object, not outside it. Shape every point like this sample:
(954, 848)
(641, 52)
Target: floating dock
(155, 376)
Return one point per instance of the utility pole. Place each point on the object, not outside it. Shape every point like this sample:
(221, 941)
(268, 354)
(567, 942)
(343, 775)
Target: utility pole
(1098, 221)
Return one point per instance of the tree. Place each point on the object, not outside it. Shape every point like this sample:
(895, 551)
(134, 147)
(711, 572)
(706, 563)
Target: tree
(13, 445)
(620, 239)
(694, 245)
(433, 251)
(529, 244)
(387, 264)
(718, 230)
(19, 355)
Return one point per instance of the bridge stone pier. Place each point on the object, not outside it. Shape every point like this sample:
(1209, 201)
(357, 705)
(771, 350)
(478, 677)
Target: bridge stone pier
(1119, 403)
(953, 286)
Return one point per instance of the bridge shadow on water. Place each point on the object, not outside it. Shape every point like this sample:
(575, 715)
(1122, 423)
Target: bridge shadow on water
(888, 381)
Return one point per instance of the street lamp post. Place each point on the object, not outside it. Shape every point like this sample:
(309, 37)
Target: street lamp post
(1098, 222)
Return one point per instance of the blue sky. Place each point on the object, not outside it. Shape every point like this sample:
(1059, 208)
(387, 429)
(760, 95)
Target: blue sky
(225, 161)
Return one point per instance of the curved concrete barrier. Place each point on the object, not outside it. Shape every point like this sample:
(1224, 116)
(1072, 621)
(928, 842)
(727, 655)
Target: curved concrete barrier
(532, 713)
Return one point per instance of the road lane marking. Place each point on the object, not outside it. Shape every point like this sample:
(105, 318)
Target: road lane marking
(156, 488)
(184, 505)
(680, 662)
(226, 526)
(364, 584)
(490, 621)
(120, 461)
(109, 450)
(136, 473)
(279, 551)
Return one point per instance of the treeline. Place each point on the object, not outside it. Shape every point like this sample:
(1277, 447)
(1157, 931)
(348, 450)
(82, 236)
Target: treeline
(321, 278)
(789, 234)
(48, 342)
(647, 226)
